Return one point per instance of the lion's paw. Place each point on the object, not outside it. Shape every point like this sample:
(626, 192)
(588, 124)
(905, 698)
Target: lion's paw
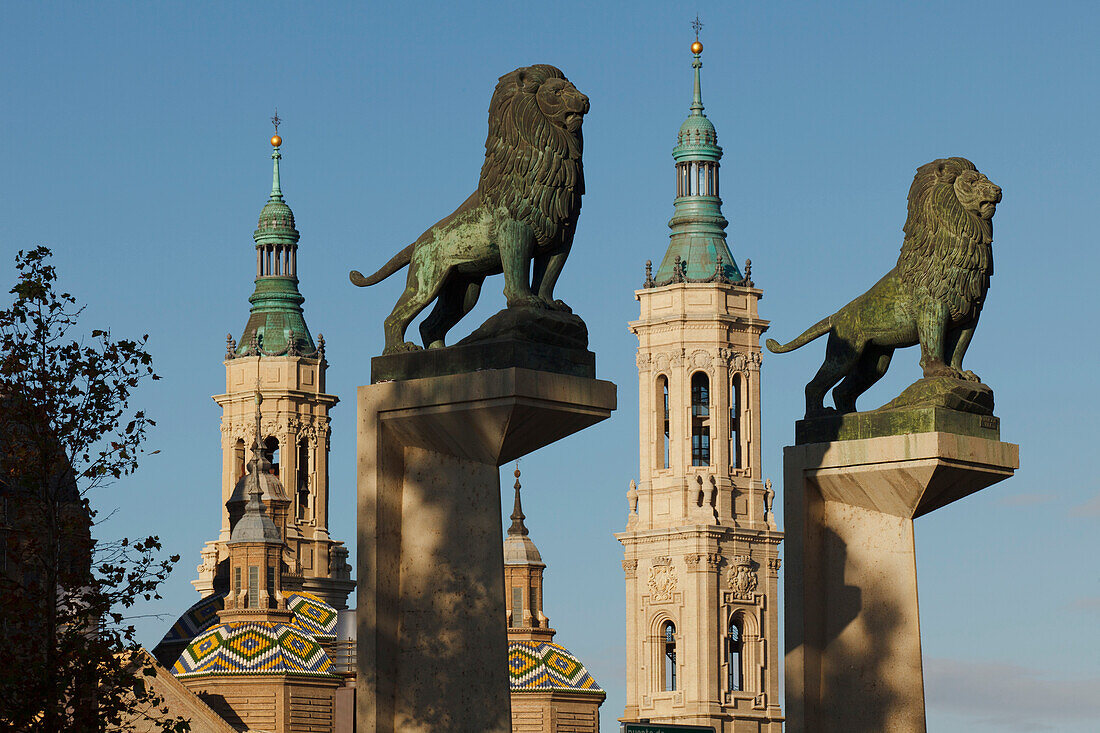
(560, 305)
(969, 376)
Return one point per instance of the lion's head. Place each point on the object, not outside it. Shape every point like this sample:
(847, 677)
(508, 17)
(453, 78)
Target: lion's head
(949, 232)
(533, 150)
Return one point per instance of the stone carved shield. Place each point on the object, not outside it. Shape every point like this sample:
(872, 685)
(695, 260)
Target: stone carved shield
(742, 577)
(662, 580)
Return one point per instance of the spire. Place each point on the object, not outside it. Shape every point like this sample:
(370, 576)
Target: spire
(255, 525)
(276, 185)
(518, 528)
(697, 49)
(276, 320)
(276, 141)
(697, 250)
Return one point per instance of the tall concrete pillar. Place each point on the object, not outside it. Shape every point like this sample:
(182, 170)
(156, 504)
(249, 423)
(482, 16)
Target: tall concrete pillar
(853, 651)
(432, 638)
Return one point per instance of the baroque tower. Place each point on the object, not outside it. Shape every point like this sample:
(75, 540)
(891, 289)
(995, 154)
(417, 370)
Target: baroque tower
(277, 356)
(701, 543)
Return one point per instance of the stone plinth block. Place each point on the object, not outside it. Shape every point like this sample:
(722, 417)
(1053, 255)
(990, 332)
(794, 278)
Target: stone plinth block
(853, 653)
(433, 652)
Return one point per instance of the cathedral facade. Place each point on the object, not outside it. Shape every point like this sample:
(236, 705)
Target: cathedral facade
(701, 543)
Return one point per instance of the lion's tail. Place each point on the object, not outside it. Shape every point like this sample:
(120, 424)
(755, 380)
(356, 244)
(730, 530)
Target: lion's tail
(398, 261)
(820, 328)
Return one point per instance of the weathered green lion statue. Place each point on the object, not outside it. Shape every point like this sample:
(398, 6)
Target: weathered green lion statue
(932, 297)
(525, 209)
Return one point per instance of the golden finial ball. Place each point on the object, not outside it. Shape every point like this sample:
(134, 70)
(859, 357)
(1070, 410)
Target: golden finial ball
(697, 47)
(276, 141)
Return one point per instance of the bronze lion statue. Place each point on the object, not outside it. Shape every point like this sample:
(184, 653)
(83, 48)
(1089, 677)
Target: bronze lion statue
(932, 297)
(525, 209)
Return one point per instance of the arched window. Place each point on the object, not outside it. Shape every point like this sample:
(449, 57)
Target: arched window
(735, 422)
(304, 504)
(669, 634)
(700, 419)
(735, 679)
(662, 440)
(271, 448)
(238, 460)
(517, 606)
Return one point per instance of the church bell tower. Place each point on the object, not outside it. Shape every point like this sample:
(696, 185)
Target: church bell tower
(277, 357)
(701, 543)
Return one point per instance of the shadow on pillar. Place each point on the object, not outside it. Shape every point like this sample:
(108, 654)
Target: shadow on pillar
(432, 640)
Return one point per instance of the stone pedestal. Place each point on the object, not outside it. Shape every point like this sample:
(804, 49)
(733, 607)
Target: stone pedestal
(853, 653)
(431, 612)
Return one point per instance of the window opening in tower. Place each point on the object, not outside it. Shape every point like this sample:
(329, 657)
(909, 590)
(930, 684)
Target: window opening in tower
(735, 422)
(700, 419)
(669, 682)
(733, 656)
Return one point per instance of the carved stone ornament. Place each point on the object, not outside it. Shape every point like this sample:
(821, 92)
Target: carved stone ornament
(643, 361)
(662, 580)
(209, 560)
(700, 359)
(742, 577)
(630, 567)
(702, 561)
(739, 361)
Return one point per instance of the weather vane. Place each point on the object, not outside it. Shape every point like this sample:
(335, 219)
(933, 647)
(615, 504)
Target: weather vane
(276, 120)
(697, 25)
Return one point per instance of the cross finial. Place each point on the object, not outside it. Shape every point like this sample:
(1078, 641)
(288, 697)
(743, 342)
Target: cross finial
(697, 26)
(276, 120)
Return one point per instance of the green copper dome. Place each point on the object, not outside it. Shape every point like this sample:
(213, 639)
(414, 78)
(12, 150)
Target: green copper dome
(697, 132)
(276, 219)
(697, 250)
(276, 324)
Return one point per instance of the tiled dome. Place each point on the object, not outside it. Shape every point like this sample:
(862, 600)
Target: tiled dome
(311, 615)
(253, 648)
(543, 665)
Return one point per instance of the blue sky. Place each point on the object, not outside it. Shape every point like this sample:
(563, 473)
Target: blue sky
(133, 141)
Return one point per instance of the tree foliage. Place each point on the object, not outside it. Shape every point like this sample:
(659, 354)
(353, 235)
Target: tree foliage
(68, 656)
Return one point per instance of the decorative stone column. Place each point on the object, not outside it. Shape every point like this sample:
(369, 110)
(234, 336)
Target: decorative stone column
(431, 610)
(853, 652)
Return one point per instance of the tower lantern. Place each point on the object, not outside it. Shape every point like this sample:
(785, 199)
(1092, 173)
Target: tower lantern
(700, 545)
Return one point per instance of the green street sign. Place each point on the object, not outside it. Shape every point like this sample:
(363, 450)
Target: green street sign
(664, 728)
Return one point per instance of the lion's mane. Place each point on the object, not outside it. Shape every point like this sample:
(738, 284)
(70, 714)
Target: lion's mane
(532, 167)
(947, 252)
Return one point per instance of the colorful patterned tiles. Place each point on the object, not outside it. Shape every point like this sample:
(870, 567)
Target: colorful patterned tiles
(251, 648)
(196, 619)
(543, 665)
(312, 614)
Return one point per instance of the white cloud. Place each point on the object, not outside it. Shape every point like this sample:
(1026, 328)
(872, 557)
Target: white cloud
(1009, 697)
